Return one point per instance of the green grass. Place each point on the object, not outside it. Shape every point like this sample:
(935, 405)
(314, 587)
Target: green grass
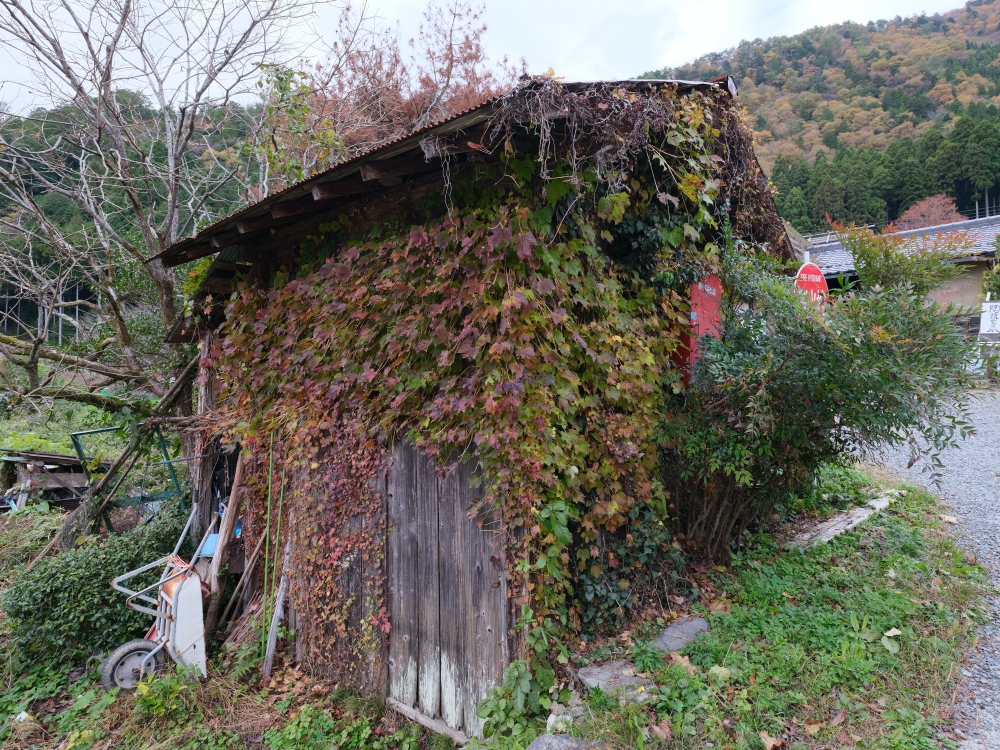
(837, 488)
(22, 536)
(805, 641)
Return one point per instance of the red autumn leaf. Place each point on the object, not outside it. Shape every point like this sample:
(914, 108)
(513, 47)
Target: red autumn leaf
(525, 243)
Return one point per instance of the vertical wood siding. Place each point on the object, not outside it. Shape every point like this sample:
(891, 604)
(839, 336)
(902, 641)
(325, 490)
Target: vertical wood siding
(447, 592)
(403, 599)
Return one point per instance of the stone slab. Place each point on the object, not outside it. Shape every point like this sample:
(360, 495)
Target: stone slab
(842, 522)
(679, 633)
(615, 677)
(564, 742)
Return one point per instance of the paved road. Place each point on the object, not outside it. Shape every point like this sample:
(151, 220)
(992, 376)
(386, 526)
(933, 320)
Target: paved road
(971, 486)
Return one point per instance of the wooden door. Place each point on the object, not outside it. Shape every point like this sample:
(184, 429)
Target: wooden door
(447, 592)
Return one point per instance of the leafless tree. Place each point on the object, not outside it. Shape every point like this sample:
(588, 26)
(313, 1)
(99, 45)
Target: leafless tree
(367, 91)
(158, 116)
(130, 150)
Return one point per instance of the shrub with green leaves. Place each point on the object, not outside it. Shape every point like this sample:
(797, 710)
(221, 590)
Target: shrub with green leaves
(64, 609)
(884, 259)
(515, 711)
(633, 565)
(793, 385)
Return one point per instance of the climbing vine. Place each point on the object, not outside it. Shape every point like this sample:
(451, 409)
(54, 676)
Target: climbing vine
(527, 323)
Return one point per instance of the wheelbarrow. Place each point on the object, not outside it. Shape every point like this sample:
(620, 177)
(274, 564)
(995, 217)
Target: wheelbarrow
(178, 626)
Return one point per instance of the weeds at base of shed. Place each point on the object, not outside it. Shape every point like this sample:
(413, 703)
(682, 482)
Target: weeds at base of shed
(220, 713)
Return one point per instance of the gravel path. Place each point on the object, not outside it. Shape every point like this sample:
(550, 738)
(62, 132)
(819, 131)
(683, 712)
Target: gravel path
(971, 487)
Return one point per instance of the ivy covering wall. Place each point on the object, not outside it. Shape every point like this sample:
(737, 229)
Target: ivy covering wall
(524, 319)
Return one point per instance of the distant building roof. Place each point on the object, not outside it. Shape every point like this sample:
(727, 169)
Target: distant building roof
(834, 260)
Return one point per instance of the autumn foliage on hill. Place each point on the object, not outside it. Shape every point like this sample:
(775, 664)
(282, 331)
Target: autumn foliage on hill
(371, 89)
(862, 85)
(930, 212)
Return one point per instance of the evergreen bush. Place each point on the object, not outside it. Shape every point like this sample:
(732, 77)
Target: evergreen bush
(64, 609)
(793, 385)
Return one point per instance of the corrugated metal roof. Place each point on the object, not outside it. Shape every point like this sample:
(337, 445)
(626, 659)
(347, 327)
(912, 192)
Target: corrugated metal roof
(467, 118)
(834, 259)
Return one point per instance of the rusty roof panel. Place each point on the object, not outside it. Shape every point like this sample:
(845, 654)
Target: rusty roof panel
(225, 231)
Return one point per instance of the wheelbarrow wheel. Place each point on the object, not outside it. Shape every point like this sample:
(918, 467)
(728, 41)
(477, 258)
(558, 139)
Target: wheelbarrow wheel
(122, 669)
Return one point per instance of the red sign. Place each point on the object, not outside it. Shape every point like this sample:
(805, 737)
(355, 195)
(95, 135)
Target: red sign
(810, 279)
(705, 320)
(706, 306)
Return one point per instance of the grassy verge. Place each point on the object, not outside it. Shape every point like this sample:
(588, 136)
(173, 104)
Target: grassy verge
(220, 713)
(856, 642)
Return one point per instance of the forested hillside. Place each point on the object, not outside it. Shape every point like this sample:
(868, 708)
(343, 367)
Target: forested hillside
(859, 121)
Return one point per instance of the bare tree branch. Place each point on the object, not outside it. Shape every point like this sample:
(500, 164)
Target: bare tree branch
(132, 148)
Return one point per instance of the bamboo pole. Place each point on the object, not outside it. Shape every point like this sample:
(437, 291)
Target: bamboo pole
(267, 546)
(277, 534)
(279, 612)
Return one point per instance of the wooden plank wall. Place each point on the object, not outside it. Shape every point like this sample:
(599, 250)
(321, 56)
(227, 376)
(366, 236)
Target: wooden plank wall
(447, 592)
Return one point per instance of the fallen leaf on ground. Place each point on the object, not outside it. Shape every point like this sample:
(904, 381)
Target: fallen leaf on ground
(845, 739)
(937, 582)
(677, 599)
(770, 743)
(719, 606)
(892, 632)
(813, 726)
(720, 673)
(662, 731)
(948, 519)
(840, 718)
(684, 661)
(947, 714)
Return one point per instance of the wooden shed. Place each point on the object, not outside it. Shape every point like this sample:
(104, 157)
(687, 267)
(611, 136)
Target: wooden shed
(445, 574)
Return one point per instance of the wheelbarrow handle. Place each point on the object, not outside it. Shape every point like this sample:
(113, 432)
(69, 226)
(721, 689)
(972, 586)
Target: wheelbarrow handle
(139, 594)
(116, 582)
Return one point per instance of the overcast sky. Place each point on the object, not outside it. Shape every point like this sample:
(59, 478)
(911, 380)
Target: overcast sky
(579, 39)
(590, 39)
